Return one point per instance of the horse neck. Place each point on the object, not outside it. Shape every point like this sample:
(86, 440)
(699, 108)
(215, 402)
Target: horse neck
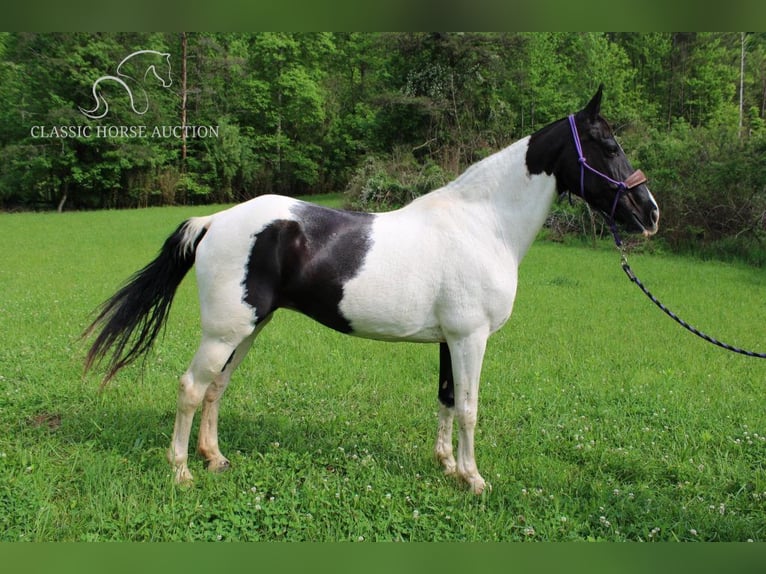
(515, 203)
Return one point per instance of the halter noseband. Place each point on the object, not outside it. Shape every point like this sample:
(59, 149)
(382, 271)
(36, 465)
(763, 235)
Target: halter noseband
(633, 180)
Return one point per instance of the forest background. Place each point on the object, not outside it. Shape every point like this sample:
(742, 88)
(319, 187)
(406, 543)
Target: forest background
(383, 118)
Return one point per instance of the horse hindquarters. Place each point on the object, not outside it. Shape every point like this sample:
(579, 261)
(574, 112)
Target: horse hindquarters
(229, 327)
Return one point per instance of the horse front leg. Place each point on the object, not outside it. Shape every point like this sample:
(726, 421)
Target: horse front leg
(443, 447)
(467, 356)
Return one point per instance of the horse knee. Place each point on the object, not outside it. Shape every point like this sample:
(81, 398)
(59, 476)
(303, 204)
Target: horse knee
(467, 417)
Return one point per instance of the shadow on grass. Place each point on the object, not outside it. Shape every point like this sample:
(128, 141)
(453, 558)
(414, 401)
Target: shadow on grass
(140, 436)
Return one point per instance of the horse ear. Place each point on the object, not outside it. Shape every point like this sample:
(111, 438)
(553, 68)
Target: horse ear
(594, 105)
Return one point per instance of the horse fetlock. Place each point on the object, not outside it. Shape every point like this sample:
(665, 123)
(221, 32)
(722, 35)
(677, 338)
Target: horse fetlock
(180, 469)
(183, 475)
(448, 464)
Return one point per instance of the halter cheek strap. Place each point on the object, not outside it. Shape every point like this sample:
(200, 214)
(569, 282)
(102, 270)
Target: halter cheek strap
(634, 179)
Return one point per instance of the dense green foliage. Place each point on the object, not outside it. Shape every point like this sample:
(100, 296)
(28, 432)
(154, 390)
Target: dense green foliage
(384, 116)
(599, 418)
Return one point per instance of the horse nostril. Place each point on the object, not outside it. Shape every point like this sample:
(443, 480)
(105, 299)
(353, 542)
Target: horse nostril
(654, 216)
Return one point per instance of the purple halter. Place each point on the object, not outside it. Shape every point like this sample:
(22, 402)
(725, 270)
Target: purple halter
(634, 179)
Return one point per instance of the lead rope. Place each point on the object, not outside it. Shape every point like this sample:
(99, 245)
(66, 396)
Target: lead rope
(634, 279)
(637, 178)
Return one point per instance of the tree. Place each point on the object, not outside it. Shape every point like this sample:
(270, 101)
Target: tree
(287, 110)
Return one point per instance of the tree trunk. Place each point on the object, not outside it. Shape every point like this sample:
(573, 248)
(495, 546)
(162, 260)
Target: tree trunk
(742, 39)
(64, 194)
(183, 100)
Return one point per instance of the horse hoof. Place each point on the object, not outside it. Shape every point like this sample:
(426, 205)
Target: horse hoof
(183, 476)
(221, 465)
(478, 485)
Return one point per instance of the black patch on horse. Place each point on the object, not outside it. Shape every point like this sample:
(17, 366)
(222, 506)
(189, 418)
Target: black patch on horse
(545, 152)
(303, 264)
(446, 378)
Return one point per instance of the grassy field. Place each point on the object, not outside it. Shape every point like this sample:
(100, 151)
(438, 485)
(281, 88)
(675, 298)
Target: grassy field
(599, 418)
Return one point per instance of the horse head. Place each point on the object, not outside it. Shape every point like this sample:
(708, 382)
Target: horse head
(164, 74)
(595, 167)
(142, 63)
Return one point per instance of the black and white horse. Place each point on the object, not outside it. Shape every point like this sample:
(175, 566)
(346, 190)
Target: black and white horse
(442, 269)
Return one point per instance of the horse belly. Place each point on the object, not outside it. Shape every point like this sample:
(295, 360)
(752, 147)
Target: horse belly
(380, 310)
(393, 296)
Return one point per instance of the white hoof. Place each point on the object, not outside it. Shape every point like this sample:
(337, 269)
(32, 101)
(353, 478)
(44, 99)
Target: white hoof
(477, 484)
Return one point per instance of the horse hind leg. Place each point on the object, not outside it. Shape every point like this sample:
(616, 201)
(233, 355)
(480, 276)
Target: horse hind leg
(206, 377)
(207, 444)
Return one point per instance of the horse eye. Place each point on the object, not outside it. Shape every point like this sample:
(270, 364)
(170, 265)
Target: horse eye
(611, 148)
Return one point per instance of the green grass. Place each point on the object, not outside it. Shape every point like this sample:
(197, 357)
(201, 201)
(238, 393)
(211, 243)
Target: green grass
(599, 417)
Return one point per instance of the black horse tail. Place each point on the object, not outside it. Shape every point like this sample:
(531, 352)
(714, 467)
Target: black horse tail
(131, 319)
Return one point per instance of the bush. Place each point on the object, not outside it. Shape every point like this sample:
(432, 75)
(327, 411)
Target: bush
(573, 219)
(710, 185)
(190, 189)
(388, 183)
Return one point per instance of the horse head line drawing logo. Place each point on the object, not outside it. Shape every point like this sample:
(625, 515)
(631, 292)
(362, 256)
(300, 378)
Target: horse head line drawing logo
(129, 76)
